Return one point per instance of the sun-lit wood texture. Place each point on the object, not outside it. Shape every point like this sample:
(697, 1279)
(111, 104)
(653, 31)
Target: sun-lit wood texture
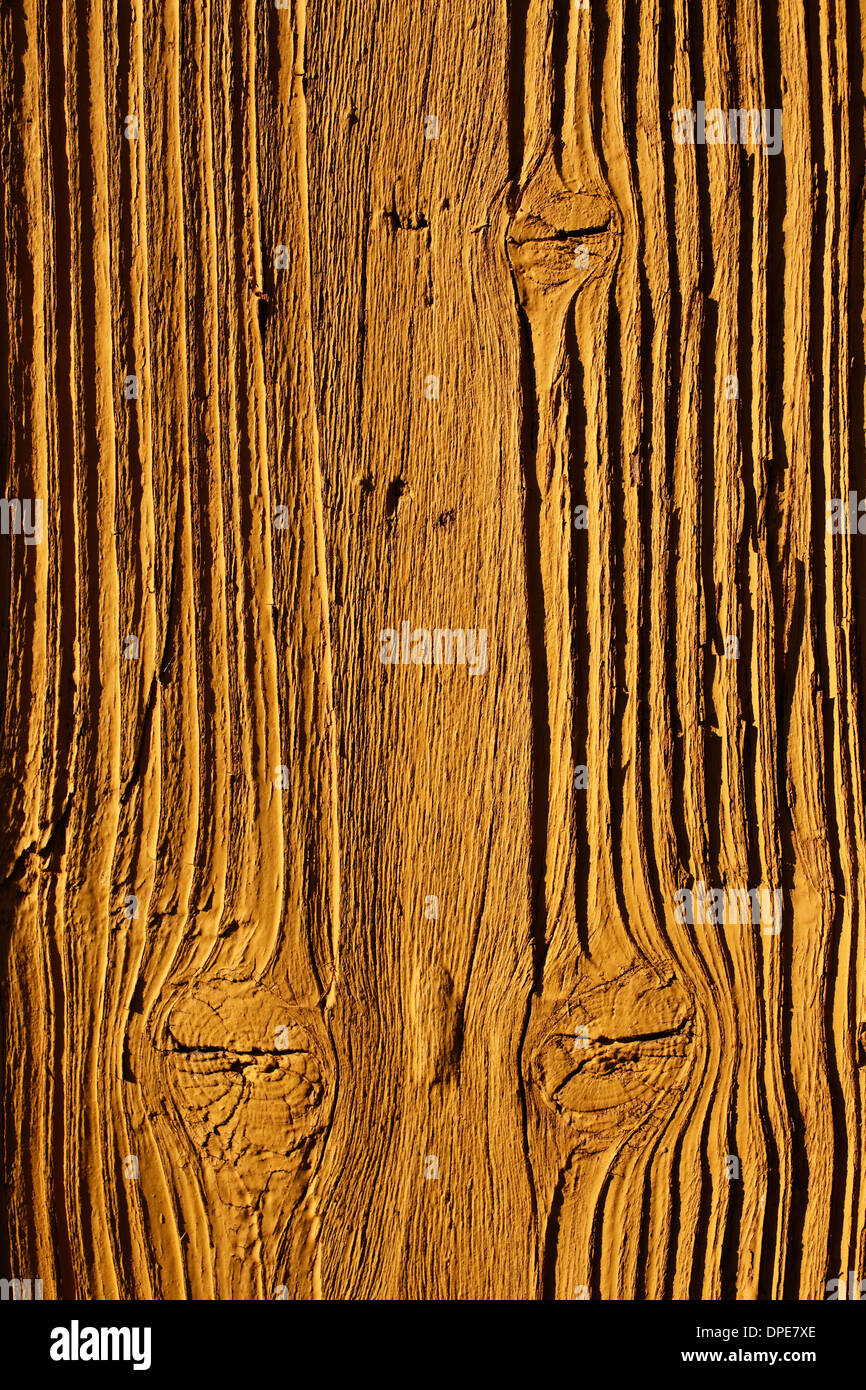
(333, 332)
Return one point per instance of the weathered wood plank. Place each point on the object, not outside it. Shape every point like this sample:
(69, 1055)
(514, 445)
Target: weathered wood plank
(434, 642)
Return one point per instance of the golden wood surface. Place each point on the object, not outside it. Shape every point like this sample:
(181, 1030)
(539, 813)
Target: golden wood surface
(327, 976)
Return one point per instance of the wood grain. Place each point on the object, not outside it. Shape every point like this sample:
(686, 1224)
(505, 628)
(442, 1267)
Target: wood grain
(339, 339)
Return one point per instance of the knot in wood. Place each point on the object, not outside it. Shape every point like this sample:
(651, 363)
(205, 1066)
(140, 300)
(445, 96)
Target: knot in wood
(249, 1075)
(618, 1051)
(561, 241)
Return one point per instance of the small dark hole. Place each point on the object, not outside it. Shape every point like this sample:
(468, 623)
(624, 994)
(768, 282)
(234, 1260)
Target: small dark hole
(393, 495)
